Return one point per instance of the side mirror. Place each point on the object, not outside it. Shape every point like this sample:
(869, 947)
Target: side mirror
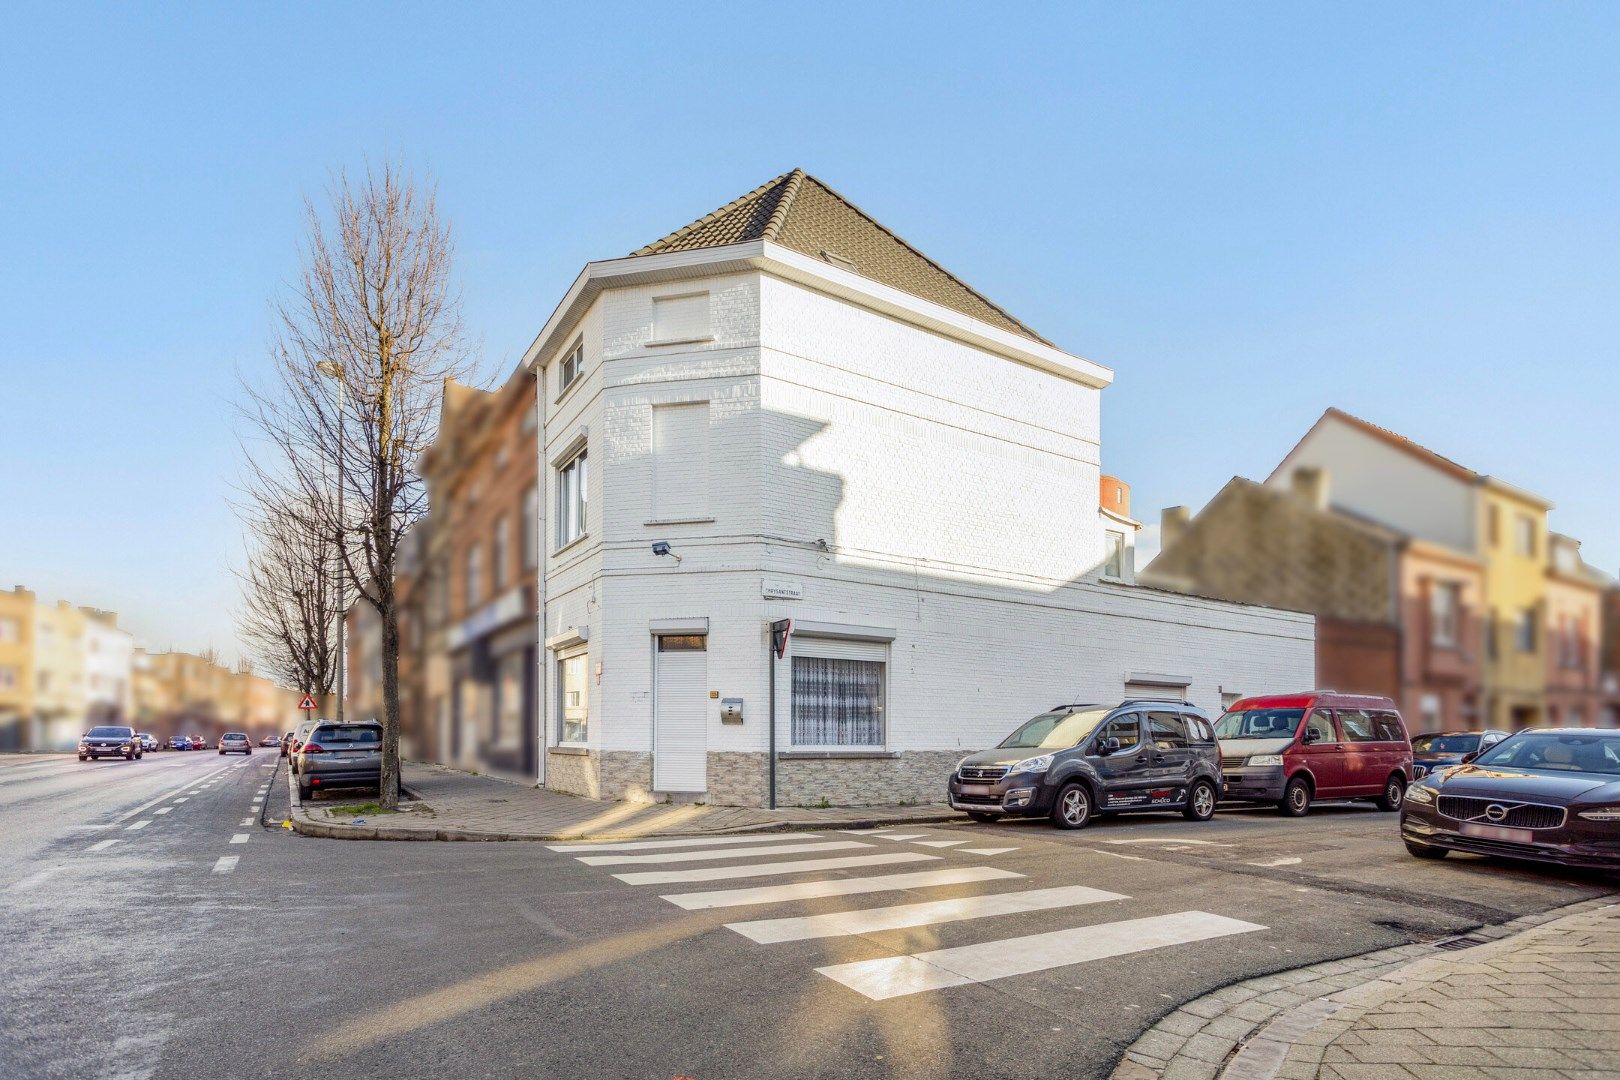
(1107, 746)
(1470, 757)
(1312, 735)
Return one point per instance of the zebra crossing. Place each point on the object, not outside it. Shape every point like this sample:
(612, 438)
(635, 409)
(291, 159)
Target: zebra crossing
(864, 862)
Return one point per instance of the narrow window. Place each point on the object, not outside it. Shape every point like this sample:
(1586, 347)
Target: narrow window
(573, 699)
(475, 574)
(1114, 565)
(499, 553)
(1443, 605)
(570, 367)
(572, 497)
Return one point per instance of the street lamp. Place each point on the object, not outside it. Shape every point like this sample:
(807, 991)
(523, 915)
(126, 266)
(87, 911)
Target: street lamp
(334, 371)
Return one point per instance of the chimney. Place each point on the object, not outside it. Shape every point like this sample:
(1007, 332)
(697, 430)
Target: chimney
(1172, 523)
(1115, 495)
(1311, 486)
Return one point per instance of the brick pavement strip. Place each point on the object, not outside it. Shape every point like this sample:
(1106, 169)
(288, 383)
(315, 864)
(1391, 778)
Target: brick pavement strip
(453, 805)
(1411, 1013)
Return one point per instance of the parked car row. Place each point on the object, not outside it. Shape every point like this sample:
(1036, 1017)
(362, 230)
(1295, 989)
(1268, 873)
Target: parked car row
(327, 754)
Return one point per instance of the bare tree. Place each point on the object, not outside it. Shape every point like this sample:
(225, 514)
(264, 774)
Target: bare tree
(365, 340)
(289, 611)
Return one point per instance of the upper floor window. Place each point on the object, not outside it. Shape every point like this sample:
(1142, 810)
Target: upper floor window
(1444, 604)
(10, 630)
(1524, 535)
(572, 497)
(680, 318)
(1493, 525)
(475, 574)
(1114, 554)
(1525, 631)
(500, 552)
(1570, 646)
(571, 366)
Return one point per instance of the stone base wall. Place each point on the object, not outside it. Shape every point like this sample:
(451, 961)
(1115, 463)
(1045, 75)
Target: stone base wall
(626, 774)
(918, 776)
(573, 774)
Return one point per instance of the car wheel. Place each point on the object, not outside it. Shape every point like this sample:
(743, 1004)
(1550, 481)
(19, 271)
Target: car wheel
(983, 819)
(84, 757)
(305, 793)
(1072, 807)
(1423, 851)
(1200, 802)
(1296, 800)
(1394, 793)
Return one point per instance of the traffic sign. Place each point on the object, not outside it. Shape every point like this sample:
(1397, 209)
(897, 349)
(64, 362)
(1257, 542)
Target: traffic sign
(308, 704)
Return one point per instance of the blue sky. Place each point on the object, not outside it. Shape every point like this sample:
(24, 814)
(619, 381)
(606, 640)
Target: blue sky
(1248, 212)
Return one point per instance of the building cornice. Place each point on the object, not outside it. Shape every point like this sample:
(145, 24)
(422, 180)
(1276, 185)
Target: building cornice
(789, 265)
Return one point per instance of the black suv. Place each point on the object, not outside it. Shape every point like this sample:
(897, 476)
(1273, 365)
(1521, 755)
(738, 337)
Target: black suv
(1080, 760)
(110, 742)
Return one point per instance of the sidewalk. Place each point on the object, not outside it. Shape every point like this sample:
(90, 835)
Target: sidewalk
(1536, 998)
(453, 805)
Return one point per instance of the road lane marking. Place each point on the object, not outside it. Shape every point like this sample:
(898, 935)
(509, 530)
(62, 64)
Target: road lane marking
(1119, 855)
(1167, 840)
(32, 879)
(144, 807)
(986, 850)
(102, 845)
(182, 799)
(809, 890)
(240, 838)
(1286, 860)
(143, 823)
(649, 845)
(246, 821)
(902, 836)
(226, 863)
(897, 976)
(724, 853)
(927, 913)
(796, 866)
(163, 810)
(939, 843)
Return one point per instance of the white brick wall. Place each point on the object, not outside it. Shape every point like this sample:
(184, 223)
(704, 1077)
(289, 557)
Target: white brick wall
(901, 479)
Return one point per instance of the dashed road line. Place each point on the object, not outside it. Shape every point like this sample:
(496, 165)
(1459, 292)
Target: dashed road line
(102, 845)
(245, 822)
(143, 823)
(163, 810)
(226, 863)
(240, 838)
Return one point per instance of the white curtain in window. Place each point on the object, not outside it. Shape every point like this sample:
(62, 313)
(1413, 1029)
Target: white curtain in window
(837, 702)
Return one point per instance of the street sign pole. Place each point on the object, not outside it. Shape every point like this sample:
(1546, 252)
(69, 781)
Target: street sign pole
(781, 630)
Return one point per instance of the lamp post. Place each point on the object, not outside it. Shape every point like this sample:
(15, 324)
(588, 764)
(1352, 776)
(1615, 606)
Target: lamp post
(334, 370)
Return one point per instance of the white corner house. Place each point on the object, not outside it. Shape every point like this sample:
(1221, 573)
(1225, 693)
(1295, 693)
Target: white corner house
(784, 411)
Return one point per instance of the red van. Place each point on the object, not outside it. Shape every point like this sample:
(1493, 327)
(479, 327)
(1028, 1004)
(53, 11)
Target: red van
(1292, 749)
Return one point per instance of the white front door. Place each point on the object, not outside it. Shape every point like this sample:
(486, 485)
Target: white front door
(681, 713)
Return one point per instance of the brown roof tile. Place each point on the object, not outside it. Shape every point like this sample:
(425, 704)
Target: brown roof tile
(800, 212)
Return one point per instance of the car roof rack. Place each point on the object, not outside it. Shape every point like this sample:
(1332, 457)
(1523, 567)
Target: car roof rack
(1079, 705)
(1157, 701)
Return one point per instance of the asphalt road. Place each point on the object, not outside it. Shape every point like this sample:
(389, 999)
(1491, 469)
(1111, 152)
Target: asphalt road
(153, 927)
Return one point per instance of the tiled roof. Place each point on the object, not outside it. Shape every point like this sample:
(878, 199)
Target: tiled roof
(800, 212)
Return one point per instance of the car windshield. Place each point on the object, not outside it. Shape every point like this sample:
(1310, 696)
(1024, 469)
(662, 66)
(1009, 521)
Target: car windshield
(1052, 730)
(1576, 752)
(1259, 724)
(109, 733)
(358, 735)
(1445, 744)
(231, 736)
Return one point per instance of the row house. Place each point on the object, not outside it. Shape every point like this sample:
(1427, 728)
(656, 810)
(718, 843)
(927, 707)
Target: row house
(180, 693)
(818, 518)
(1487, 618)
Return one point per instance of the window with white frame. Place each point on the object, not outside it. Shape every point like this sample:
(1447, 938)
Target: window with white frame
(1114, 552)
(573, 698)
(499, 552)
(572, 498)
(680, 318)
(838, 693)
(475, 577)
(531, 528)
(1444, 604)
(570, 366)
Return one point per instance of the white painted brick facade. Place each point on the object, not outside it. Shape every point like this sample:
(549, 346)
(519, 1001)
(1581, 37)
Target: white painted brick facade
(897, 477)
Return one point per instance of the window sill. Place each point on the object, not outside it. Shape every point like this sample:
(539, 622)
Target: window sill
(575, 542)
(837, 755)
(569, 389)
(571, 749)
(681, 341)
(679, 521)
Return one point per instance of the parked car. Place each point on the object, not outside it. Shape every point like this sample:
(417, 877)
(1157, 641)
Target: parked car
(110, 741)
(235, 742)
(270, 740)
(197, 743)
(179, 742)
(300, 732)
(149, 743)
(1079, 760)
(1296, 749)
(340, 755)
(1438, 749)
(286, 743)
(1549, 795)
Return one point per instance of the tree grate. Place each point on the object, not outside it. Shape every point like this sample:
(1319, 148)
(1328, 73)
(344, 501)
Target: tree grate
(1453, 944)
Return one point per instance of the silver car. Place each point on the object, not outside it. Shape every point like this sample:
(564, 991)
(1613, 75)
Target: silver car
(340, 755)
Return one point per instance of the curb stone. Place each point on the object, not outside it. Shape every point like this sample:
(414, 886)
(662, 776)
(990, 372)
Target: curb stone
(1260, 1028)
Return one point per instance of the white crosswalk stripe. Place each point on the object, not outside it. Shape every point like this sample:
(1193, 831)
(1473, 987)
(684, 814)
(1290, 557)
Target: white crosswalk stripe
(929, 913)
(798, 866)
(896, 976)
(939, 843)
(690, 841)
(727, 853)
(985, 850)
(810, 890)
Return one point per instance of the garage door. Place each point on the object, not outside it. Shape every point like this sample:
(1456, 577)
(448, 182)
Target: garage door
(681, 713)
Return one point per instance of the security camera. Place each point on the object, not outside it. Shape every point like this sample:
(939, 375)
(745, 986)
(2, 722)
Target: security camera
(661, 548)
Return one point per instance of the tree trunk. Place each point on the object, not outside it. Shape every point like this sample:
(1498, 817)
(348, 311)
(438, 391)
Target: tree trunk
(390, 687)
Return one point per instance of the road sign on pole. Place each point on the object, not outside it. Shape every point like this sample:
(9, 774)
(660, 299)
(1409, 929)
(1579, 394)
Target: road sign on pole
(308, 704)
(781, 630)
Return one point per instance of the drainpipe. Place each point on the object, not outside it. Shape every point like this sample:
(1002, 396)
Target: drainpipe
(543, 744)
